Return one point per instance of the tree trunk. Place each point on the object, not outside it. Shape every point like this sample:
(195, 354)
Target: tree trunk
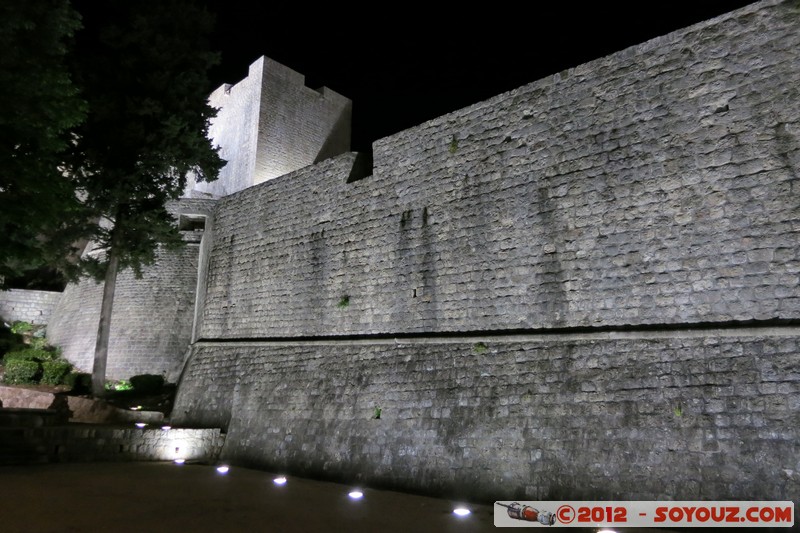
(104, 329)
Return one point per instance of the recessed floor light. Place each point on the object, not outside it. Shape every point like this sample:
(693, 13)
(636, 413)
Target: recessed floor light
(223, 469)
(140, 424)
(166, 428)
(280, 480)
(461, 511)
(179, 461)
(356, 494)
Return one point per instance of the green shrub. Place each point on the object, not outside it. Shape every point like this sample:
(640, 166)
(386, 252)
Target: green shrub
(71, 379)
(20, 327)
(147, 383)
(39, 343)
(20, 371)
(54, 372)
(79, 382)
(121, 385)
(9, 341)
(29, 354)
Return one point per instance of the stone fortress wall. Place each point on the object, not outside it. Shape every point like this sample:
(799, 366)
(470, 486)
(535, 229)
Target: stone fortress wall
(584, 288)
(151, 324)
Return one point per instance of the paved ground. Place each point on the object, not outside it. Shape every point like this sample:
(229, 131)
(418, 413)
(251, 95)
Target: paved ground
(162, 497)
(155, 497)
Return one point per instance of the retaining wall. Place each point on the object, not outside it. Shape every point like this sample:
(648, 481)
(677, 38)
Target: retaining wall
(27, 305)
(85, 444)
(645, 416)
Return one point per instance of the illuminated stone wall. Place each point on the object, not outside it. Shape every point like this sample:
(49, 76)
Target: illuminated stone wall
(654, 186)
(27, 305)
(617, 236)
(151, 324)
(639, 416)
(87, 443)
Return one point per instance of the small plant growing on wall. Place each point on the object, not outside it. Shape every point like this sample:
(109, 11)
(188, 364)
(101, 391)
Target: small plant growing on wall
(343, 302)
(479, 347)
(453, 144)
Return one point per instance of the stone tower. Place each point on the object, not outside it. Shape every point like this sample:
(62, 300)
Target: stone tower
(270, 124)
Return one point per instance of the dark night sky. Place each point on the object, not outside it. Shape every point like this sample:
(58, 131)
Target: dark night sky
(402, 65)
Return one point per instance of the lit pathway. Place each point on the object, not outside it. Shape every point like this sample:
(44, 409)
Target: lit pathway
(153, 497)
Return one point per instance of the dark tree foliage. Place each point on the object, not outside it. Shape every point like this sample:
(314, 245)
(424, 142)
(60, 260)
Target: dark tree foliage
(142, 68)
(40, 215)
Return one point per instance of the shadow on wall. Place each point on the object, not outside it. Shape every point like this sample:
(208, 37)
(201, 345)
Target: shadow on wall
(338, 140)
(362, 167)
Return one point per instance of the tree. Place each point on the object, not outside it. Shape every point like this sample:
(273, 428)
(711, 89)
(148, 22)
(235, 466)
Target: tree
(40, 215)
(142, 68)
